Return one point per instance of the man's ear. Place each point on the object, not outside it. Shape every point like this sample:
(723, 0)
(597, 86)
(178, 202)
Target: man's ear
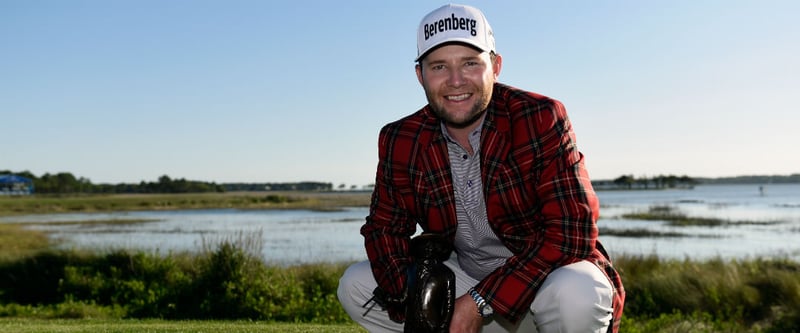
(418, 69)
(497, 66)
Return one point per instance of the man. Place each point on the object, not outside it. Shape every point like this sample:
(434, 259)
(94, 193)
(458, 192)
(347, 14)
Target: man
(496, 171)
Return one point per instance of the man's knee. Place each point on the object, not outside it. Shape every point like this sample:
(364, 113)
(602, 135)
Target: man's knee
(355, 286)
(355, 289)
(574, 298)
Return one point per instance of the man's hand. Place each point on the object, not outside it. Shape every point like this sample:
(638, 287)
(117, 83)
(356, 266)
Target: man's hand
(465, 316)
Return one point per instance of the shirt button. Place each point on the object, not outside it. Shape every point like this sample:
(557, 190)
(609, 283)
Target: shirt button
(465, 156)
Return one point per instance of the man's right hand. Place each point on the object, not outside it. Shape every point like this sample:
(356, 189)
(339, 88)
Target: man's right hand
(465, 316)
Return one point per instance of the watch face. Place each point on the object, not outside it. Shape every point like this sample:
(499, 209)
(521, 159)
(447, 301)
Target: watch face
(487, 310)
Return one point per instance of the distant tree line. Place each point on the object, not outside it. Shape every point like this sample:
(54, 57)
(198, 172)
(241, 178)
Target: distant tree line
(673, 181)
(301, 186)
(67, 183)
(629, 182)
(753, 179)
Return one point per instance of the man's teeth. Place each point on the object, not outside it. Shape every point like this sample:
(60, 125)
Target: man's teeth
(458, 97)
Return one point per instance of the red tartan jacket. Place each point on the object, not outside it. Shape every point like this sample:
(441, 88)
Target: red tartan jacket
(539, 198)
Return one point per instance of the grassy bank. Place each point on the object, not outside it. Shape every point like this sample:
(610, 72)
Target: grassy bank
(43, 204)
(227, 284)
(225, 287)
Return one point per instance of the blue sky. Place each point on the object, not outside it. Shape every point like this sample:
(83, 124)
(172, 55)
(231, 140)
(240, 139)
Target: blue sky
(283, 91)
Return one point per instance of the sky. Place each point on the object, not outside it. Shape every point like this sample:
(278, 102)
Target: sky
(126, 91)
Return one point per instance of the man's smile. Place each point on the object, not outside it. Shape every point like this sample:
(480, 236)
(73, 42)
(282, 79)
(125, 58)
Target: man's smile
(458, 98)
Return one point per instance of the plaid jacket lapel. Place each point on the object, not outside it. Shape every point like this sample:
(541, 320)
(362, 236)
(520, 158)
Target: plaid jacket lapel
(495, 144)
(435, 186)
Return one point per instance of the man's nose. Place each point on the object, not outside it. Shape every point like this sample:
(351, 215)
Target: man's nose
(456, 78)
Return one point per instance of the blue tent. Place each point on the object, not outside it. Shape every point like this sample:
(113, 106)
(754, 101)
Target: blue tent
(13, 184)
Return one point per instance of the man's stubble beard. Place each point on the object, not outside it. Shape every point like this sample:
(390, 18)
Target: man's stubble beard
(475, 114)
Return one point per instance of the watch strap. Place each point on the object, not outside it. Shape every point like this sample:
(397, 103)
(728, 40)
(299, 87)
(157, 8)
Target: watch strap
(479, 301)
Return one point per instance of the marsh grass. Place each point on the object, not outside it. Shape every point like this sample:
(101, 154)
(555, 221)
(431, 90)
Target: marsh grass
(44, 204)
(250, 244)
(674, 217)
(642, 233)
(757, 295)
(226, 281)
(99, 222)
(122, 291)
(760, 294)
(16, 241)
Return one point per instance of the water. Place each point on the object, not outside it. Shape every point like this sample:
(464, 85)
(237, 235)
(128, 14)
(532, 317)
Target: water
(301, 236)
(777, 205)
(289, 236)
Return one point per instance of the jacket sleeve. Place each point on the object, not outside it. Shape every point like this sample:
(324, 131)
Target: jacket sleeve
(552, 222)
(389, 224)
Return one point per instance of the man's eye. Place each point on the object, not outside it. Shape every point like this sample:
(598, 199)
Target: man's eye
(437, 67)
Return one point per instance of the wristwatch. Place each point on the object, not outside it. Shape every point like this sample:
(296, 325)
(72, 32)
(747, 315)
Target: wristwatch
(484, 309)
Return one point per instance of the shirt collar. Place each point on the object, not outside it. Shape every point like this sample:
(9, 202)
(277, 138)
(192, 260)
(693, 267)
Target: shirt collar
(474, 137)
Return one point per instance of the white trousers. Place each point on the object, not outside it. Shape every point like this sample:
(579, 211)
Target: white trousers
(573, 298)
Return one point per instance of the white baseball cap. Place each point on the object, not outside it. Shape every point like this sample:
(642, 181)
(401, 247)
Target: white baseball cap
(454, 23)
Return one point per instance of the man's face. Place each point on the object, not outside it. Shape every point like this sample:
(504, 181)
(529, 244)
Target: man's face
(458, 81)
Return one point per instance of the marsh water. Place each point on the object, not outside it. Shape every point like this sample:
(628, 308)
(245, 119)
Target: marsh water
(765, 222)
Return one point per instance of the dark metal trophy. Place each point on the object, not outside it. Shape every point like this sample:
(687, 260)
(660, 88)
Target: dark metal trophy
(431, 286)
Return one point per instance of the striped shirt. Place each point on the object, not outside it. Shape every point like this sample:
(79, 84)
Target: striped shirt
(479, 250)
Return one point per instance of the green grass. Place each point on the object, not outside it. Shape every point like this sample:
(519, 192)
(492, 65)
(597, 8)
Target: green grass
(753, 295)
(25, 325)
(756, 295)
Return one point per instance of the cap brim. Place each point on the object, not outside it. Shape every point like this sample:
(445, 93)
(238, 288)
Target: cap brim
(460, 41)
